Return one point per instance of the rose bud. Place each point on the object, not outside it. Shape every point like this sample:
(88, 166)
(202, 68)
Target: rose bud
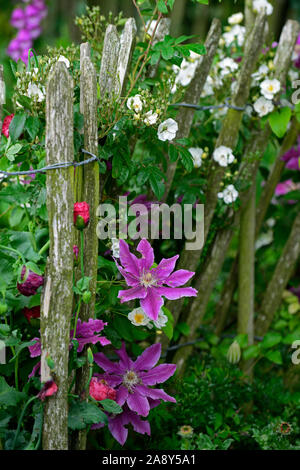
(81, 215)
(49, 389)
(6, 124)
(87, 295)
(30, 282)
(30, 313)
(100, 390)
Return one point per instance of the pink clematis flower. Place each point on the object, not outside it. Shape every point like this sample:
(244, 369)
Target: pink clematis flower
(147, 283)
(131, 379)
(285, 187)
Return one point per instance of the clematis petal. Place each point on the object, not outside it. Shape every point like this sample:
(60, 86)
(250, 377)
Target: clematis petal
(138, 403)
(122, 395)
(106, 364)
(155, 393)
(148, 358)
(176, 293)
(140, 425)
(118, 429)
(152, 303)
(178, 278)
(133, 293)
(147, 252)
(125, 362)
(158, 375)
(165, 267)
(131, 280)
(128, 260)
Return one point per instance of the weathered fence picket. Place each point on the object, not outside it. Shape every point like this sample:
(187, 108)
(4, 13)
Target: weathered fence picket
(109, 62)
(57, 301)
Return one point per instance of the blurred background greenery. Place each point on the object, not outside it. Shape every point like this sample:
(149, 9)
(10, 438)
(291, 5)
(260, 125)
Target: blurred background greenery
(188, 17)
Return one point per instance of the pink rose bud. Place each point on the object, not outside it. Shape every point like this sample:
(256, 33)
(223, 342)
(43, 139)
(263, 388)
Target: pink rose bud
(81, 215)
(49, 389)
(100, 390)
(30, 282)
(6, 124)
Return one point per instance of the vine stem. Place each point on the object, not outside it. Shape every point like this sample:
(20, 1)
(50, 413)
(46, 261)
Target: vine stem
(81, 252)
(13, 251)
(21, 419)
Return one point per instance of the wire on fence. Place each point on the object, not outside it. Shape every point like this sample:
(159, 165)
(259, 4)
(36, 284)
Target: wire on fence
(52, 167)
(206, 108)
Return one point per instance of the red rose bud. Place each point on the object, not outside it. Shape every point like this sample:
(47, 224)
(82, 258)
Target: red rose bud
(30, 282)
(30, 313)
(81, 215)
(6, 124)
(49, 389)
(99, 390)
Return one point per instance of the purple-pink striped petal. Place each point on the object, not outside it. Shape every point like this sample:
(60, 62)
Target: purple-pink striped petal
(152, 303)
(148, 358)
(176, 293)
(158, 375)
(179, 278)
(133, 293)
(138, 403)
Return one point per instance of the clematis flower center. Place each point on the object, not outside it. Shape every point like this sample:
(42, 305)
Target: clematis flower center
(148, 280)
(130, 379)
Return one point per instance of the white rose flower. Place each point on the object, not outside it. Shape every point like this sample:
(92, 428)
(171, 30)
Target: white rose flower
(263, 106)
(262, 5)
(138, 317)
(63, 59)
(167, 130)
(223, 155)
(185, 73)
(269, 88)
(134, 103)
(236, 33)
(150, 118)
(237, 18)
(227, 66)
(150, 25)
(229, 195)
(196, 153)
(161, 321)
(261, 73)
(33, 91)
(293, 75)
(208, 87)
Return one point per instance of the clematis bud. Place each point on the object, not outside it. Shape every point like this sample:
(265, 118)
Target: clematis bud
(6, 124)
(49, 389)
(100, 390)
(234, 353)
(30, 313)
(81, 215)
(90, 356)
(30, 282)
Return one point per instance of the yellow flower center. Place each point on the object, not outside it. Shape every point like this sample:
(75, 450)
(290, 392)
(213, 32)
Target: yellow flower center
(139, 317)
(148, 280)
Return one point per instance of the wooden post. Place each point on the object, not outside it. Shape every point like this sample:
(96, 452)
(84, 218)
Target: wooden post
(90, 194)
(57, 301)
(109, 61)
(127, 43)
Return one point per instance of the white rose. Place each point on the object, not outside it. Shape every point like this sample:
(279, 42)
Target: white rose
(134, 103)
(263, 106)
(161, 321)
(269, 88)
(229, 194)
(150, 118)
(223, 155)
(138, 317)
(167, 130)
(262, 5)
(33, 91)
(237, 18)
(196, 153)
(227, 66)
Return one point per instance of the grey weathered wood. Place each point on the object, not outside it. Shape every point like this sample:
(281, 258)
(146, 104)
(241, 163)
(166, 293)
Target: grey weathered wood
(57, 301)
(2, 95)
(90, 194)
(127, 43)
(109, 61)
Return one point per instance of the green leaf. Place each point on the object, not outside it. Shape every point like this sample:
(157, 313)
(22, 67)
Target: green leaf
(8, 395)
(157, 186)
(186, 159)
(173, 153)
(274, 356)
(162, 6)
(289, 339)
(297, 111)
(242, 339)
(271, 339)
(251, 351)
(12, 151)
(16, 127)
(279, 121)
(183, 328)
(82, 414)
(111, 406)
(32, 126)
